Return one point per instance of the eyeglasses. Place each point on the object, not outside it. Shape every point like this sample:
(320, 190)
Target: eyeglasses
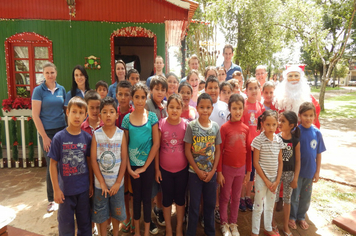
(258, 74)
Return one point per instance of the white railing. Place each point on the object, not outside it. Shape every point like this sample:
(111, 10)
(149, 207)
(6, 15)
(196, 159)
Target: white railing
(22, 120)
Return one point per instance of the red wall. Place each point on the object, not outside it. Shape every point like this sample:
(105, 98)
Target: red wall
(151, 11)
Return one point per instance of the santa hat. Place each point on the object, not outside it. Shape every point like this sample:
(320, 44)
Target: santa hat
(294, 68)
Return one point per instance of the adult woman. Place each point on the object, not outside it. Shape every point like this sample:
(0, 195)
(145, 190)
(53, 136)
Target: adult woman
(80, 83)
(120, 74)
(193, 80)
(48, 114)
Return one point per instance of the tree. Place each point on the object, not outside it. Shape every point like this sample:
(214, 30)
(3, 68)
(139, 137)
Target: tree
(324, 26)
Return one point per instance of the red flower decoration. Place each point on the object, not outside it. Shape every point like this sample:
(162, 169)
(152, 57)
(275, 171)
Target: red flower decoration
(29, 118)
(30, 143)
(18, 103)
(14, 118)
(16, 143)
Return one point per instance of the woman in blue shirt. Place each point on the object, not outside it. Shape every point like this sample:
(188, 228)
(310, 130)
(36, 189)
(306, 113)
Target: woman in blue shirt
(80, 83)
(48, 115)
(120, 74)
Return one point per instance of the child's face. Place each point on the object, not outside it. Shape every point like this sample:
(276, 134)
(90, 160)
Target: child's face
(270, 125)
(123, 97)
(94, 109)
(76, 115)
(158, 93)
(201, 86)
(268, 94)
(139, 99)
(174, 110)
(213, 90)
(194, 82)
(252, 90)
(186, 94)
(225, 94)
(211, 72)
(204, 109)
(221, 76)
(283, 124)
(102, 91)
(134, 78)
(109, 115)
(236, 111)
(172, 85)
(307, 118)
(241, 81)
(236, 88)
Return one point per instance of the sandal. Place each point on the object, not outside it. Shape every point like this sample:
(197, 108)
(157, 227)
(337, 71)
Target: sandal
(287, 234)
(126, 227)
(275, 229)
(303, 224)
(132, 231)
(291, 224)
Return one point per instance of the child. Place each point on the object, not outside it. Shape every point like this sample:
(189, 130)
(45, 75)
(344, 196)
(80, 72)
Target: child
(171, 164)
(93, 121)
(267, 94)
(201, 85)
(220, 111)
(253, 109)
(141, 129)
(225, 91)
(236, 87)
(173, 82)
(102, 88)
(71, 173)
(185, 90)
(133, 76)
(232, 164)
(210, 71)
(193, 80)
(221, 74)
(109, 166)
(311, 147)
(202, 149)
(268, 161)
(158, 87)
(288, 125)
(240, 78)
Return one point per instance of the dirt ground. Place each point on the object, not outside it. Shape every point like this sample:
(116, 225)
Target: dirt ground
(23, 190)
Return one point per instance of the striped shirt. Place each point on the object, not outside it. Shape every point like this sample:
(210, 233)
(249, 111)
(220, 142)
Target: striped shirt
(108, 156)
(269, 151)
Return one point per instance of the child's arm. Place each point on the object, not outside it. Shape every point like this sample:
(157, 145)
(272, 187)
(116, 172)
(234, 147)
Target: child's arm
(115, 188)
(95, 166)
(220, 177)
(58, 194)
(153, 152)
(279, 173)
(124, 149)
(158, 171)
(188, 154)
(256, 164)
(216, 162)
(318, 164)
(294, 183)
(91, 176)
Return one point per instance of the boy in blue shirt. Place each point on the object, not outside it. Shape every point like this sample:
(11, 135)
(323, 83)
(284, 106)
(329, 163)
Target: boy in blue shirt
(71, 174)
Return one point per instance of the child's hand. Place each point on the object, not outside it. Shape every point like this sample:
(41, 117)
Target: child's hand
(209, 176)
(316, 177)
(114, 189)
(59, 196)
(221, 179)
(202, 175)
(140, 170)
(268, 184)
(134, 174)
(91, 191)
(247, 177)
(158, 176)
(104, 189)
(294, 183)
(273, 187)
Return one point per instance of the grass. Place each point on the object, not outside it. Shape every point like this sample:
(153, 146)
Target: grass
(317, 90)
(332, 200)
(343, 106)
(349, 97)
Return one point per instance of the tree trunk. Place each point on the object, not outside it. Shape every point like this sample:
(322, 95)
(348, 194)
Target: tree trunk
(322, 94)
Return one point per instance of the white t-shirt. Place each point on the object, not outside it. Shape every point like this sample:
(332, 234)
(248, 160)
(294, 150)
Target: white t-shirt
(108, 156)
(220, 113)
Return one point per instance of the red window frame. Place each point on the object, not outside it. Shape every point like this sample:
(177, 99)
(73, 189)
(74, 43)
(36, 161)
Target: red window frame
(29, 40)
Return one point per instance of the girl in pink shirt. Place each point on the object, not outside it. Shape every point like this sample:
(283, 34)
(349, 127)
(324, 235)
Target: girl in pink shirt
(171, 164)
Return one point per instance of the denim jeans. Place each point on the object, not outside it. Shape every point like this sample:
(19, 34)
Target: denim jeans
(300, 200)
(197, 188)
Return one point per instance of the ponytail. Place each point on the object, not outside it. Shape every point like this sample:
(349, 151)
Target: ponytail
(296, 132)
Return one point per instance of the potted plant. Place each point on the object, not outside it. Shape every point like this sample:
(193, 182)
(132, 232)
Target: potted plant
(16, 107)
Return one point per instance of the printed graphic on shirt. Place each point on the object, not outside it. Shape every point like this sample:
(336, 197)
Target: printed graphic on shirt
(170, 141)
(287, 151)
(222, 114)
(203, 149)
(313, 144)
(107, 161)
(134, 154)
(232, 139)
(74, 159)
(253, 120)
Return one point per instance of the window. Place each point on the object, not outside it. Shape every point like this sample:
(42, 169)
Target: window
(25, 55)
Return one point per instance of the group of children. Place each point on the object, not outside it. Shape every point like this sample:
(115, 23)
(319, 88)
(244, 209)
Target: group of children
(181, 142)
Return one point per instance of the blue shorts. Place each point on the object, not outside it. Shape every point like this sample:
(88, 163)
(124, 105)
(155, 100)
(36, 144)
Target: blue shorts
(111, 206)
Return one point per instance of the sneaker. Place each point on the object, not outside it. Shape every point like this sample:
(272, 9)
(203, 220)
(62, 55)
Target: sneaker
(242, 206)
(249, 203)
(233, 229)
(202, 222)
(51, 207)
(217, 215)
(153, 228)
(225, 230)
(159, 216)
(279, 206)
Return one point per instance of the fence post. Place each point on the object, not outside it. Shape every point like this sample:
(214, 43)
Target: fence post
(39, 148)
(23, 140)
(7, 135)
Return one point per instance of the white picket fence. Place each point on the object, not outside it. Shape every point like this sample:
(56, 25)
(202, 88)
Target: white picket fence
(22, 120)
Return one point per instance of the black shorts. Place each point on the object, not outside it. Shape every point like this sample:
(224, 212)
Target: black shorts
(174, 186)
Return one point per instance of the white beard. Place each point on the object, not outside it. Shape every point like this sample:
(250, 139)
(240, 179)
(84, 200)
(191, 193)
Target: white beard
(289, 97)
